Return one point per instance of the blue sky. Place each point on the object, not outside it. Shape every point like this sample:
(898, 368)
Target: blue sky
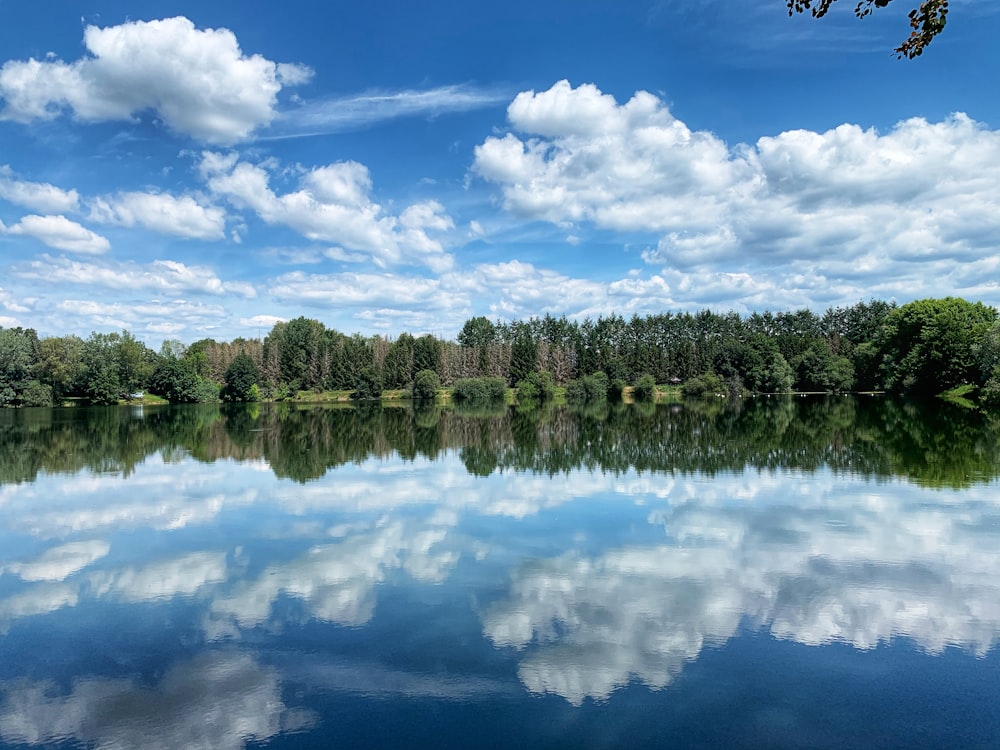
(190, 170)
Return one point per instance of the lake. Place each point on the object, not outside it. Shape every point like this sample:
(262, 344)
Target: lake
(817, 572)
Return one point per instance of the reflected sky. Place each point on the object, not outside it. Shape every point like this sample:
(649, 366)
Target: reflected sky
(211, 604)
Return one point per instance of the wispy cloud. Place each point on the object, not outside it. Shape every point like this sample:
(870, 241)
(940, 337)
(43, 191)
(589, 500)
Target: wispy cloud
(342, 114)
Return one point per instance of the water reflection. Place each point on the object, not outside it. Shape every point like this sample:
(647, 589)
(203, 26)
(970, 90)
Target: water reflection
(254, 559)
(220, 699)
(840, 565)
(336, 582)
(936, 444)
(57, 563)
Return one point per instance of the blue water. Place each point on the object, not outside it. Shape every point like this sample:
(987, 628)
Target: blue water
(396, 602)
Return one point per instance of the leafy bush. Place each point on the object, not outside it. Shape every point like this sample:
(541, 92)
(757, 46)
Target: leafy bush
(616, 389)
(178, 382)
(703, 385)
(545, 384)
(596, 387)
(590, 389)
(538, 386)
(575, 392)
(479, 389)
(645, 388)
(207, 391)
(425, 385)
(496, 388)
(469, 389)
(36, 394)
(989, 394)
(526, 391)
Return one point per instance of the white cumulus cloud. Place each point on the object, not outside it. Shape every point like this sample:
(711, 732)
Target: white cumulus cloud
(182, 216)
(60, 233)
(906, 211)
(333, 203)
(165, 276)
(37, 196)
(197, 81)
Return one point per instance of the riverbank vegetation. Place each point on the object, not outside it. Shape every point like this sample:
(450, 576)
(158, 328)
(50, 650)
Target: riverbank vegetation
(922, 348)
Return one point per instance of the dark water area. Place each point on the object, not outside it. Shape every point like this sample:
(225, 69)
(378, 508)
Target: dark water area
(776, 573)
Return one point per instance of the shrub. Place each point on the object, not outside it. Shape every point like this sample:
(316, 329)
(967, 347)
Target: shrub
(538, 386)
(575, 392)
(545, 384)
(596, 387)
(703, 385)
(36, 394)
(479, 389)
(496, 388)
(425, 385)
(616, 389)
(469, 389)
(526, 391)
(645, 388)
(590, 389)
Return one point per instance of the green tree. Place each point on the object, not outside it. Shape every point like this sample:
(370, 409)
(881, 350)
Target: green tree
(101, 382)
(987, 354)
(926, 21)
(196, 354)
(60, 365)
(368, 385)
(115, 365)
(397, 369)
(241, 380)
(176, 381)
(427, 354)
(817, 369)
(766, 370)
(930, 345)
(36, 394)
(987, 351)
(524, 352)
(19, 354)
(302, 352)
(478, 334)
(136, 362)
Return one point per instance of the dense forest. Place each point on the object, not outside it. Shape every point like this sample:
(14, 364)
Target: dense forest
(922, 348)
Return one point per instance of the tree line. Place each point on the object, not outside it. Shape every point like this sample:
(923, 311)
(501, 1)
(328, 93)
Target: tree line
(923, 348)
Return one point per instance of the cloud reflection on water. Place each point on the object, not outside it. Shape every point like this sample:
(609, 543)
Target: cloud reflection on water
(684, 563)
(219, 700)
(838, 567)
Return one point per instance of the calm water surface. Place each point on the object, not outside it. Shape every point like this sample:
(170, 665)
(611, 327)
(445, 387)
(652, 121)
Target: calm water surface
(782, 573)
